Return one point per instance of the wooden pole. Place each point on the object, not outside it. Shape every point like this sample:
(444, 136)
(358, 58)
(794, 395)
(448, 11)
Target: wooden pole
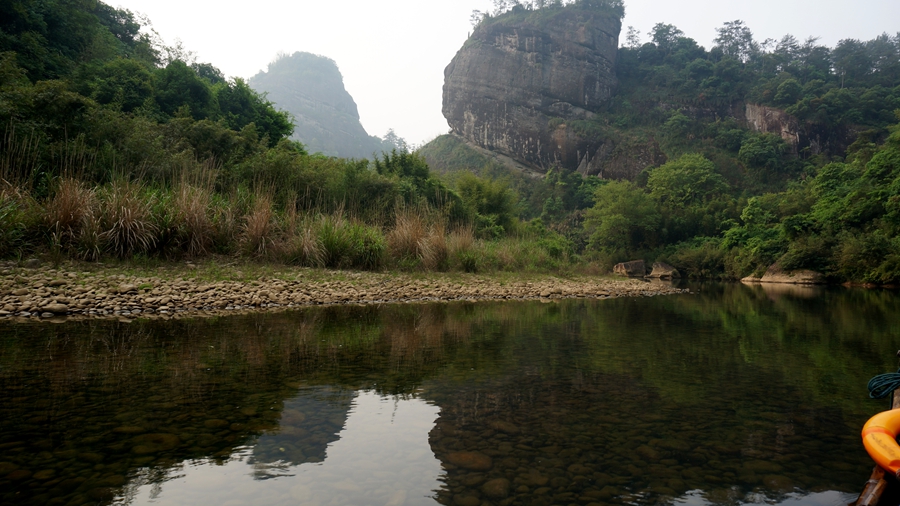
(876, 485)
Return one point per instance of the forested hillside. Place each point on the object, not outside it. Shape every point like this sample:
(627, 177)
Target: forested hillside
(751, 153)
(756, 152)
(114, 145)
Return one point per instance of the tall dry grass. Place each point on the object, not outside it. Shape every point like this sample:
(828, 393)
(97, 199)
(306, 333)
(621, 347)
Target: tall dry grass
(70, 207)
(303, 244)
(460, 240)
(194, 219)
(127, 218)
(19, 159)
(258, 238)
(419, 237)
(461, 249)
(17, 209)
(407, 234)
(89, 244)
(433, 248)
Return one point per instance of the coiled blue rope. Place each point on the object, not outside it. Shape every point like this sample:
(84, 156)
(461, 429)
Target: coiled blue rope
(884, 385)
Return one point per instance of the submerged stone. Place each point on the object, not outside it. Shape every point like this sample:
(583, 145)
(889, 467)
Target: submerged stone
(216, 424)
(466, 500)
(504, 427)
(474, 461)
(46, 474)
(497, 488)
(129, 429)
(155, 443)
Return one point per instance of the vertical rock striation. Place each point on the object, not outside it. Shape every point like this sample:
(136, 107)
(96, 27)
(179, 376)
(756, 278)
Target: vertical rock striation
(521, 78)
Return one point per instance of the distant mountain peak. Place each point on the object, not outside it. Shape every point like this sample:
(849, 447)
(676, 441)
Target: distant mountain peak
(311, 88)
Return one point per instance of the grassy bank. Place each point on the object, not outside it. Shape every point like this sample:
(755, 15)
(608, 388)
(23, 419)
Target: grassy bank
(131, 220)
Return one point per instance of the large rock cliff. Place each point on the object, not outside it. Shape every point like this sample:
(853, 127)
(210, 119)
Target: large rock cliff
(326, 119)
(522, 76)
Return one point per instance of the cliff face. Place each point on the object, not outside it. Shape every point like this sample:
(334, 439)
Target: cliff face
(326, 119)
(519, 78)
(774, 121)
(802, 137)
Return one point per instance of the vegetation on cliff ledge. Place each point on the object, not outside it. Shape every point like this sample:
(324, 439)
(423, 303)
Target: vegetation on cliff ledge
(727, 200)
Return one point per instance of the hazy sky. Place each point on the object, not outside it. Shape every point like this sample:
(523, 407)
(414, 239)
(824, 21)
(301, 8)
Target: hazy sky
(392, 53)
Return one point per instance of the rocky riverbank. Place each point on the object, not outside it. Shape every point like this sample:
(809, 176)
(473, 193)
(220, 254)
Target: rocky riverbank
(186, 290)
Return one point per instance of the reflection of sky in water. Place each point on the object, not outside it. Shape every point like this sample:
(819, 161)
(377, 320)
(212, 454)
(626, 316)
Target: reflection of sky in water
(382, 457)
(309, 423)
(830, 498)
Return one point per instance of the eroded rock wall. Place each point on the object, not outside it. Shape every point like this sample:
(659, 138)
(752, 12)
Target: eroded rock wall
(804, 138)
(765, 119)
(516, 81)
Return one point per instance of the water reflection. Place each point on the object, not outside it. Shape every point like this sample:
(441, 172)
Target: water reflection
(309, 423)
(381, 457)
(734, 395)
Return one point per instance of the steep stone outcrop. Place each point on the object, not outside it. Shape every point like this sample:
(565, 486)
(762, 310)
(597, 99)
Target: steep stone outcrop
(765, 119)
(326, 119)
(523, 80)
(802, 137)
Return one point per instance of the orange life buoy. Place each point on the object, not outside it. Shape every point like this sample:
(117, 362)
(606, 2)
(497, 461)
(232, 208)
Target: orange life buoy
(880, 439)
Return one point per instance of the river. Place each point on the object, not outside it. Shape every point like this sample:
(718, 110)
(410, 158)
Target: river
(729, 395)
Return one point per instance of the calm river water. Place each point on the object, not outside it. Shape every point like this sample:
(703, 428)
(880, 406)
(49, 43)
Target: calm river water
(731, 395)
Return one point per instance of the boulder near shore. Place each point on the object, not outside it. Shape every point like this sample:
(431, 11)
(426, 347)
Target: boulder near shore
(775, 274)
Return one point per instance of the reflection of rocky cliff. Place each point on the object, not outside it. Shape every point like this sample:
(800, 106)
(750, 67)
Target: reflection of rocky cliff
(144, 398)
(326, 119)
(568, 400)
(520, 77)
(309, 423)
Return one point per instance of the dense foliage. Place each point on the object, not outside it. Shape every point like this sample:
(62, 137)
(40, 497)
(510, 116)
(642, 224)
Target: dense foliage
(116, 145)
(731, 201)
(85, 74)
(514, 10)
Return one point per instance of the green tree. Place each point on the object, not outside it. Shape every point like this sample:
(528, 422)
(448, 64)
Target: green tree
(492, 202)
(789, 91)
(178, 85)
(689, 180)
(239, 106)
(127, 84)
(665, 36)
(624, 219)
(735, 40)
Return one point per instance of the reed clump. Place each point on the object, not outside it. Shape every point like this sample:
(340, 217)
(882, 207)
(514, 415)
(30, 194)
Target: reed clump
(127, 218)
